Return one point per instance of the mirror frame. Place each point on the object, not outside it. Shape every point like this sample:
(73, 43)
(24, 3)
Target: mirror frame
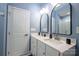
(70, 20)
(47, 23)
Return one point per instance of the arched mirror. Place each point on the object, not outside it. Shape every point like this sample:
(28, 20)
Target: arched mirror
(62, 19)
(44, 23)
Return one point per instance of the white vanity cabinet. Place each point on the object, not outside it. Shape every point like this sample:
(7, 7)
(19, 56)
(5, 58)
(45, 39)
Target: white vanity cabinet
(51, 51)
(45, 50)
(33, 46)
(37, 47)
(41, 49)
(70, 52)
(50, 47)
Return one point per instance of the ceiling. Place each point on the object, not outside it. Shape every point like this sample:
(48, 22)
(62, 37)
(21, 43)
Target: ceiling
(28, 5)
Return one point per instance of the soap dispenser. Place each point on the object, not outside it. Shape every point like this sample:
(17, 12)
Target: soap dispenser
(68, 41)
(50, 36)
(38, 33)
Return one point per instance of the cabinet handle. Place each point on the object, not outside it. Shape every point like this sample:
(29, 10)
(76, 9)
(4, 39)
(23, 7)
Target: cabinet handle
(26, 35)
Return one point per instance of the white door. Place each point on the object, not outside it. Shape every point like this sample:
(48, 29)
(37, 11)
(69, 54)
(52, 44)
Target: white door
(18, 31)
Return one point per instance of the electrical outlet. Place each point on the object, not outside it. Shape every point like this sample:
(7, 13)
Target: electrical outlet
(77, 29)
(1, 13)
(33, 29)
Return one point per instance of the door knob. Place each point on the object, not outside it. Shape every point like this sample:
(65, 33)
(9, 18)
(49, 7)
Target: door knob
(26, 34)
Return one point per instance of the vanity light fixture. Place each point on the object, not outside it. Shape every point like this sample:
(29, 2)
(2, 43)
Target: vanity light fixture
(58, 5)
(44, 10)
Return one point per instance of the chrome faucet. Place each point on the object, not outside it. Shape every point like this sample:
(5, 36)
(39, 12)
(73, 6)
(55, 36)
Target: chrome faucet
(56, 36)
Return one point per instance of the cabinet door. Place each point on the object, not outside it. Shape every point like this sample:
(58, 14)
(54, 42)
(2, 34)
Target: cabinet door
(70, 52)
(51, 51)
(33, 46)
(41, 49)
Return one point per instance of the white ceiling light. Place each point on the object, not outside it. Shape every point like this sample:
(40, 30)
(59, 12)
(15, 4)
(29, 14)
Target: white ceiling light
(58, 5)
(41, 11)
(44, 10)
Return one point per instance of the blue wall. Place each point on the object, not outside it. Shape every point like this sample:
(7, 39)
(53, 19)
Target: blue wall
(2, 20)
(75, 23)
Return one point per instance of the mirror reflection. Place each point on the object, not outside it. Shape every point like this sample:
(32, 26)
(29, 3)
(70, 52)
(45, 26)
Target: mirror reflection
(44, 23)
(61, 19)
